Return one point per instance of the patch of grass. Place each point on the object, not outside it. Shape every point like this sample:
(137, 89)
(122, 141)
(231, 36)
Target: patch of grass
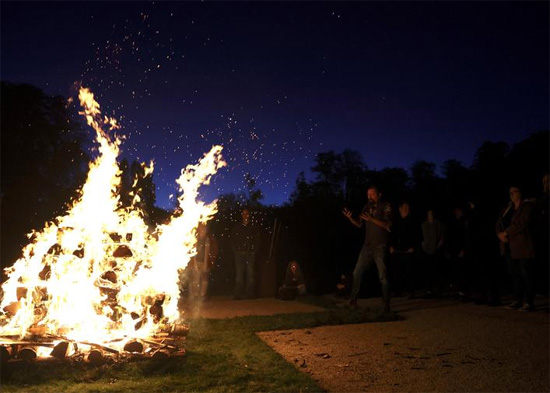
(222, 356)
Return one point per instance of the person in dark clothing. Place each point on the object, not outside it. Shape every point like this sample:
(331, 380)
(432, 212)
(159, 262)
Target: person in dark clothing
(514, 231)
(404, 240)
(377, 219)
(458, 251)
(245, 243)
(542, 250)
(294, 283)
(433, 239)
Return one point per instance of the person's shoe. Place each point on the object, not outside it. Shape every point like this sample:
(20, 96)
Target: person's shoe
(513, 306)
(527, 308)
(352, 303)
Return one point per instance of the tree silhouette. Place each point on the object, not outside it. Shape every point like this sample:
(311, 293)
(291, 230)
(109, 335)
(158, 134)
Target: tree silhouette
(43, 162)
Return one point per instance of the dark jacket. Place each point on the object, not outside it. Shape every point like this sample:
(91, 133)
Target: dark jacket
(519, 230)
(405, 234)
(245, 238)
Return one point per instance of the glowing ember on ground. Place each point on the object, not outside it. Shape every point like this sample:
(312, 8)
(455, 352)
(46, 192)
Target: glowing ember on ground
(99, 274)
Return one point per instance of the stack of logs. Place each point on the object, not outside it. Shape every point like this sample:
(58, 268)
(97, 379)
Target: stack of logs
(162, 346)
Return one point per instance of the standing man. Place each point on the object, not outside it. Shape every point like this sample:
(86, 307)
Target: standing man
(376, 216)
(514, 230)
(245, 242)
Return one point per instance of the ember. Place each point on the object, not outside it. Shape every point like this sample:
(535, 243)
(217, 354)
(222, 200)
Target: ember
(98, 283)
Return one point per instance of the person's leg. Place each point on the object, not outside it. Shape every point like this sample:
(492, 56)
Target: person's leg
(515, 274)
(360, 266)
(250, 275)
(240, 262)
(526, 269)
(380, 257)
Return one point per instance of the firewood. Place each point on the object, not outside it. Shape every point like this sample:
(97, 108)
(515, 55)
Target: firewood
(156, 311)
(160, 354)
(21, 292)
(38, 330)
(99, 346)
(27, 353)
(12, 308)
(123, 251)
(180, 330)
(95, 357)
(133, 346)
(45, 273)
(159, 344)
(60, 350)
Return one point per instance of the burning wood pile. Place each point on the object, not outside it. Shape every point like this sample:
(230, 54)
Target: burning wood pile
(98, 284)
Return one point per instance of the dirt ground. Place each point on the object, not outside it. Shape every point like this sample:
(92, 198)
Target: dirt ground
(440, 346)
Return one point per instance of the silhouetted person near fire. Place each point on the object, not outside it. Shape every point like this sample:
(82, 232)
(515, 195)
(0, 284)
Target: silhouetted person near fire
(457, 252)
(514, 231)
(201, 264)
(404, 240)
(433, 239)
(294, 283)
(543, 236)
(376, 216)
(245, 243)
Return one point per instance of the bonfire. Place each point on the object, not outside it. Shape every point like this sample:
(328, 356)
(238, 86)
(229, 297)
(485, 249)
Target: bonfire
(98, 282)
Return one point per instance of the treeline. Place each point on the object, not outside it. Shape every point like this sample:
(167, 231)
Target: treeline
(44, 162)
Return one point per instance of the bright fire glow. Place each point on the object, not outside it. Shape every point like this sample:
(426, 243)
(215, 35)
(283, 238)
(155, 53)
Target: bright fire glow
(99, 273)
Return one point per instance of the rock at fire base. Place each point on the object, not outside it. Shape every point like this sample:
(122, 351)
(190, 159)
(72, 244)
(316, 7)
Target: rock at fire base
(133, 346)
(60, 350)
(4, 354)
(26, 353)
(96, 357)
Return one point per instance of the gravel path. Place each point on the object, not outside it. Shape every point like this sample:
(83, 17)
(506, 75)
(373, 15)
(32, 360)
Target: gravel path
(441, 346)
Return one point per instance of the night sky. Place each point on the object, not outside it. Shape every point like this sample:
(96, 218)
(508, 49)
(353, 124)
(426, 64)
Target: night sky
(276, 83)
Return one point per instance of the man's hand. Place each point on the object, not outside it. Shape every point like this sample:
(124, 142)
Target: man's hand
(346, 213)
(392, 250)
(365, 216)
(503, 237)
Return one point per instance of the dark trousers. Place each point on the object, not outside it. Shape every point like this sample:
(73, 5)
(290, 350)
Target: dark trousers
(522, 273)
(245, 273)
(368, 256)
(435, 273)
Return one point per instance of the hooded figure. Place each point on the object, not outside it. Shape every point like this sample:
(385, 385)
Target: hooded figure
(293, 284)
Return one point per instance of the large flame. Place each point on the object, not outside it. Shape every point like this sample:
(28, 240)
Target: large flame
(99, 273)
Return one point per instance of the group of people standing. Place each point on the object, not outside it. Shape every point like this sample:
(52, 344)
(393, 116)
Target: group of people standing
(436, 257)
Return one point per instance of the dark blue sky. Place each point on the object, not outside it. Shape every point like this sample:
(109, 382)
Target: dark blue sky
(276, 83)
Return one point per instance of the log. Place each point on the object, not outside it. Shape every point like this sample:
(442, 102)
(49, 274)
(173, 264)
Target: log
(158, 344)
(133, 346)
(60, 350)
(12, 308)
(160, 355)
(95, 357)
(180, 330)
(27, 353)
(123, 251)
(21, 292)
(99, 346)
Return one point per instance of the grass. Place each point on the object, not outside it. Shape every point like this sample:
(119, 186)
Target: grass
(222, 356)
